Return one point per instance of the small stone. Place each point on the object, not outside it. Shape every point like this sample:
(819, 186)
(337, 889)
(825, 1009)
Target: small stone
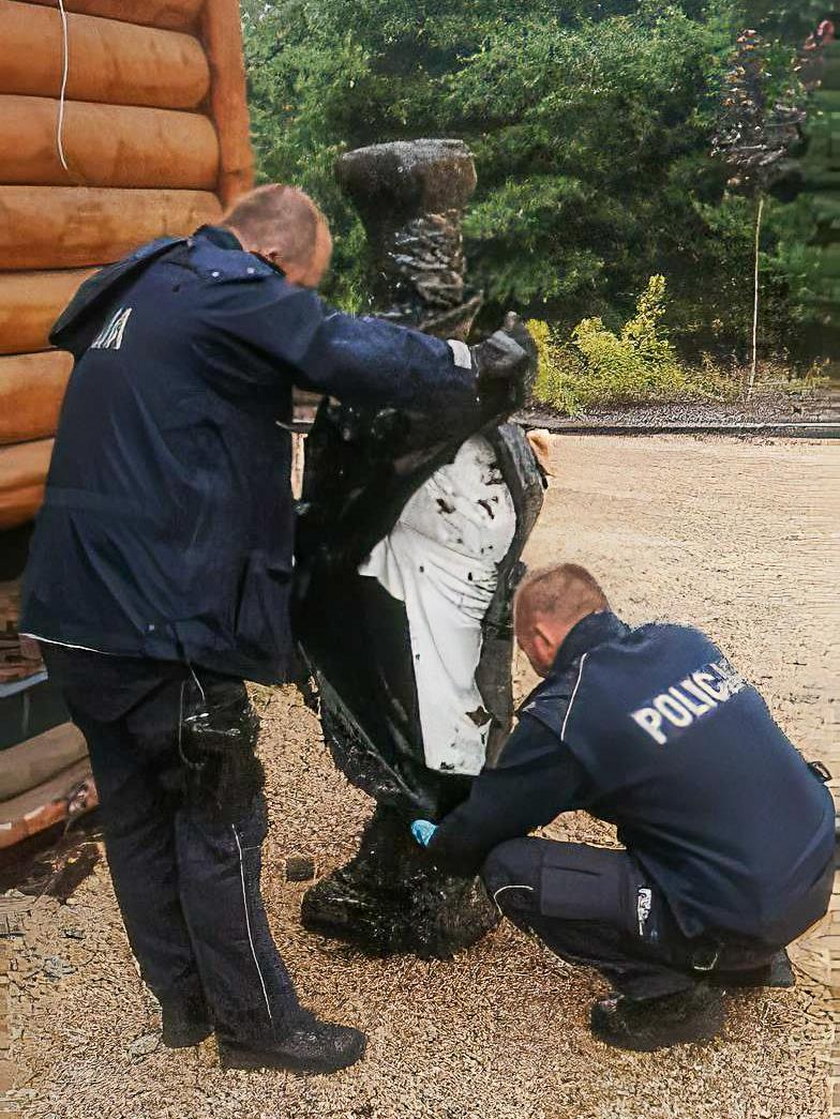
(143, 1046)
(300, 868)
(54, 967)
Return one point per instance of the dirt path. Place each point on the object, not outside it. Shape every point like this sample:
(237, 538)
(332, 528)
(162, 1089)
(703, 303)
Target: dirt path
(731, 536)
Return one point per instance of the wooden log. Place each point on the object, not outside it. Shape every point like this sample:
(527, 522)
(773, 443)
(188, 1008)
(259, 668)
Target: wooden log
(105, 145)
(221, 32)
(31, 391)
(31, 763)
(175, 15)
(47, 804)
(30, 302)
(73, 227)
(116, 63)
(23, 471)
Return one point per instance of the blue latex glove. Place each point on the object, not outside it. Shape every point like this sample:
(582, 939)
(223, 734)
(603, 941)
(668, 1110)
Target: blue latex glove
(423, 830)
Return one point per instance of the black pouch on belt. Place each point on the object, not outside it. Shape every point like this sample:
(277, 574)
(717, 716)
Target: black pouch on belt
(218, 738)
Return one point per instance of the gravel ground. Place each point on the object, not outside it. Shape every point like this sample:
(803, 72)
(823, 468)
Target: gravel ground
(731, 535)
(767, 405)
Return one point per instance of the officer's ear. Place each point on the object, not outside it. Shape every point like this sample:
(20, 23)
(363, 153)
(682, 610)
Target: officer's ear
(544, 646)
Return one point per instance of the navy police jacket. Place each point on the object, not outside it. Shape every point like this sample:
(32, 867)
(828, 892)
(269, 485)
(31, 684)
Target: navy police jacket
(167, 524)
(653, 730)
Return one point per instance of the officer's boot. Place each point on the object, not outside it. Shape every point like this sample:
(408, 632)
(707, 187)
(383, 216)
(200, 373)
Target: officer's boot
(185, 1016)
(646, 1024)
(310, 1047)
(390, 900)
(777, 973)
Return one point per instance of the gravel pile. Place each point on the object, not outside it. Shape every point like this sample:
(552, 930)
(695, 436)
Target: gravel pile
(501, 1032)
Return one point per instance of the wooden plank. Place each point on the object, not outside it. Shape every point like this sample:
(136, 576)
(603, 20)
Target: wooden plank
(30, 302)
(221, 32)
(116, 63)
(70, 227)
(39, 759)
(23, 471)
(42, 807)
(31, 391)
(105, 145)
(176, 15)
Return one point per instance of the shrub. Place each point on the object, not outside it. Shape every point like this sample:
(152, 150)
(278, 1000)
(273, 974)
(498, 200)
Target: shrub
(598, 367)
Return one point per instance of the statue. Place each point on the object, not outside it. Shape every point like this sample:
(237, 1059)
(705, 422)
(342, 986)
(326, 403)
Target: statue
(410, 534)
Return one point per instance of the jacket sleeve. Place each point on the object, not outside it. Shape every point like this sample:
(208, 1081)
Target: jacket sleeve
(535, 779)
(268, 329)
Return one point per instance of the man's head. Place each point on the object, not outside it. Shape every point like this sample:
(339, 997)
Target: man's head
(549, 604)
(284, 225)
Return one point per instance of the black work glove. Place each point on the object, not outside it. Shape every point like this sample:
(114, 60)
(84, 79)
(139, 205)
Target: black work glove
(509, 355)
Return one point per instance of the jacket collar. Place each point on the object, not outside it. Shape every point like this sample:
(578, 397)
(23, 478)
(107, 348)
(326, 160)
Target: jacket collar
(590, 631)
(219, 236)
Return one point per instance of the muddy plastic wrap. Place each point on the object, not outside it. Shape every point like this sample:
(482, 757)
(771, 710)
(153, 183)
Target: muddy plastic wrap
(391, 899)
(362, 470)
(410, 195)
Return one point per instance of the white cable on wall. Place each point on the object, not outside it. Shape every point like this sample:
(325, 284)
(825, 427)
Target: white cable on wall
(59, 131)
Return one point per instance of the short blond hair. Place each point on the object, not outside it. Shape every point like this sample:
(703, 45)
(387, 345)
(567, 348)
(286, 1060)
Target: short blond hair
(565, 592)
(280, 215)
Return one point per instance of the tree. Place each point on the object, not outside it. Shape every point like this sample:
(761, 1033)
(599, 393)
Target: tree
(591, 126)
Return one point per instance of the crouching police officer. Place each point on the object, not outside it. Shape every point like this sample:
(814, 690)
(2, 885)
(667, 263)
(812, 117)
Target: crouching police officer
(729, 835)
(160, 573)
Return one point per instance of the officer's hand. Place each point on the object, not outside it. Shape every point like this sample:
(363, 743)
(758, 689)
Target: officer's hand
(509, 355)
(519, 332)
(423, 830)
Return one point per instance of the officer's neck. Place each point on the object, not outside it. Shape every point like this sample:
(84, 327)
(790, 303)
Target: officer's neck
(593, 629)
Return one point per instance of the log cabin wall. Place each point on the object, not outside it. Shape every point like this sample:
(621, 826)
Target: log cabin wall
(152, 138)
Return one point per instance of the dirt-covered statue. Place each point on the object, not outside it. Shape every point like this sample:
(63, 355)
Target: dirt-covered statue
(411, 530)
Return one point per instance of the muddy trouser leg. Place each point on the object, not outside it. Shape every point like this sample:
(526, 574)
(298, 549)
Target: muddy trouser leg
(137, 812)
(219, 833)
(591, 906)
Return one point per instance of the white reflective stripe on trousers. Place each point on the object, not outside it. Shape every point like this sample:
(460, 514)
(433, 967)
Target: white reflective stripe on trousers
(248, 923)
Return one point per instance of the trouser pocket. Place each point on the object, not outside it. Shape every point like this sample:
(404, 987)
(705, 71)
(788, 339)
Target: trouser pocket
(581, 883)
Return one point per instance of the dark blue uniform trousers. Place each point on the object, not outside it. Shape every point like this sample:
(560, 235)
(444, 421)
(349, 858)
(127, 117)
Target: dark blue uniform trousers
(597, 907)
(184, 820)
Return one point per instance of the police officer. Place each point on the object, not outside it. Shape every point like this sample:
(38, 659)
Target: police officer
(160, 573)
(729, 835)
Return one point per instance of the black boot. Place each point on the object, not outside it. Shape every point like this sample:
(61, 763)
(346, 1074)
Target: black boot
(777, 973)
(309, 1048)
(647, 1024)
(390, 899)
(184, 1024)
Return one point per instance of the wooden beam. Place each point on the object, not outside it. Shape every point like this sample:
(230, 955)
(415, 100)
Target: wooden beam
(105, 145)
(73, 227)
(23, 471)
(31, 391)
(45, 805)
(31, 763)
(176, 15)
(221, 32)
(111, 62)
(30, 302)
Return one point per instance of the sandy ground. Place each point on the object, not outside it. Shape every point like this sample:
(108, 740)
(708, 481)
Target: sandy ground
(732, 536)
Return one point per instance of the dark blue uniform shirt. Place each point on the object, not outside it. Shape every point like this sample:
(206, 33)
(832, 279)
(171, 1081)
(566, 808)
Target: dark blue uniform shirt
(653, 730)
(166, 530)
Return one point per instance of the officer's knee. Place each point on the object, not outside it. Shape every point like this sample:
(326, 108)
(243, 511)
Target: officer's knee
(508, 874)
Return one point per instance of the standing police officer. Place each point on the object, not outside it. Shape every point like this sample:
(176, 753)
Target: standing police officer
(160, 573)
(729, 835)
